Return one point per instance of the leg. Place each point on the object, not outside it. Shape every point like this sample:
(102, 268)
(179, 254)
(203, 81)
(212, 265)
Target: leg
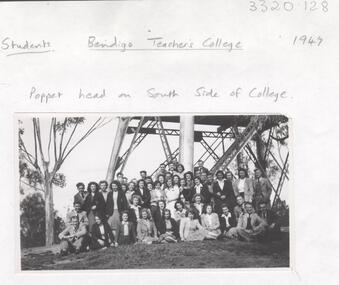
(64, 247)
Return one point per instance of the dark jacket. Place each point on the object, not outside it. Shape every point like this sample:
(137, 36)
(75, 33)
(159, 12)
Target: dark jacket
(145, 197)
(96, 200)
(132, 216)
(206, 195)
(79, 199)
(232, 221)
(96, 234)
(227, 191)
(122, 203)
(131, 232)
(159, 221)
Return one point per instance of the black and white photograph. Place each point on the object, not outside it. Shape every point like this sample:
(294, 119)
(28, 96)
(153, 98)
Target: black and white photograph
(124, 191)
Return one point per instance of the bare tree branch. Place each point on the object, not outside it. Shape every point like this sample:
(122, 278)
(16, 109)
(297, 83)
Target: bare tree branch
(54, 140)
(70, 138)
(49, 141)
(62, 138)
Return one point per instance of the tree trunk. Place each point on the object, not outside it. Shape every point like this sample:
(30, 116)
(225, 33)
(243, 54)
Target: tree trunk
(49, 211)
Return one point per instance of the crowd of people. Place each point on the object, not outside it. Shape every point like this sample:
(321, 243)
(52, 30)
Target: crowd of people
(171, 206)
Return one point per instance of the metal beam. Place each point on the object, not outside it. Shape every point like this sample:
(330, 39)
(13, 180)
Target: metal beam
(163, 138)
(209, 150)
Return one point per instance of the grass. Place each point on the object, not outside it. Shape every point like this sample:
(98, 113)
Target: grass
(204, 254)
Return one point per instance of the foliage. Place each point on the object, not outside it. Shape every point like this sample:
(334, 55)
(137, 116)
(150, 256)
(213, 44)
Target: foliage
(32, 221)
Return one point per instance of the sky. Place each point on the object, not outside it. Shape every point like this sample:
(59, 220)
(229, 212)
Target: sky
(90, 159)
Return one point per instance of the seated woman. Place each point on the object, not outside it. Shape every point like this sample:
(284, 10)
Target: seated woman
(134, 213)
(210, 222)
(170, 233)
(102, 236)
(180, 212)
(125, 231)
(183, 200)
(146, 230)
(190, 228)
(198, 206)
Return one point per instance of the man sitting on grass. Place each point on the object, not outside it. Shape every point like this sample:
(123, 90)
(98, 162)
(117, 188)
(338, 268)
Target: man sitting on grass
(126, 231)
(74, 238)
(250, 226)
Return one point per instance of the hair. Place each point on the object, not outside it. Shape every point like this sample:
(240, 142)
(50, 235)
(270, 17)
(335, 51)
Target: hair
(89, 187)
(228, 172)
(76, 203)
(220, 171)
(197, 177)
(80, 184)
(140, 180)
(188, 172)
(143, 171)
(156, 182)
(125, 212)
(150, 183)
(180, 165)
(116, 182)
(178, 202)
(98, 216)
(169, 180)
(124, 184)
(103, 181)
(144, 210)
(244, 170)
(167, 211)
(175, 175)
(248, 203)
(224, 205)
(209, 205)
(200, 160)
(197, 195)
(136, 196)
(163, 176)
(191, 211)
(162, 201)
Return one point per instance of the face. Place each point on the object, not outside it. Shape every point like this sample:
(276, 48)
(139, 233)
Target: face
(77, 208)
(179, 206)
(135, 201)
(198, 199)
(161, 179)
(188, 176)
(242, 174)
(210, 178)
(141, 184)
(182, 198)
(169, 183)
(262, 207)
(190, 215)
(92, 187)
(114, 187)
(176, 180)
(103, 187)
(124, 217)
(209, 209)
(125, 180)
(180, 169)
(161, 205)
(81, 188)
(203, 176)
(168, 176)
(131, 186)
(150, 187)
(171, 166)
(124, 187)
(200, 163)
(249, 208)
(197, 173)
(229, 176)
(143, 175)
(148, 180)
(225, 210)
(157, 186)
(119, 177)
(257, 173)
(182, 182)
(167, 215)
(162, 167)
(97, 220)
(144, 215)
(240, 200)
(196, 181)
(220, 176)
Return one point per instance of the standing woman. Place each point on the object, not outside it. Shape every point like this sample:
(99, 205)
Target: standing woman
(144, 193)
(201, 189)
(183, 200)
(180, 212)
(198, 205)
(146, 230)
(130, 192)
(244, 186)
(180, 171)
(190, 228)
(188, 189)
(94, 204)
(172, 195)
(161, 179)
(210, 222)
(115, 205)
(157, 194)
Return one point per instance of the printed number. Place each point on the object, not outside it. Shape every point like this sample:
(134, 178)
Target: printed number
(263, 6)
(324, 5)
(253, 6)
(275, 5)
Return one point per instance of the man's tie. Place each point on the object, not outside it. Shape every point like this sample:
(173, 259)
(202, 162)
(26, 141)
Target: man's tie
(249, 225)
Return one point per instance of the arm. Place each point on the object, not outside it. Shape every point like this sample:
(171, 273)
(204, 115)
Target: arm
(64, 233)
(198, 225)
(216, 223)
(82, 231)
(203, 221)
(140, 235)
(182, 229)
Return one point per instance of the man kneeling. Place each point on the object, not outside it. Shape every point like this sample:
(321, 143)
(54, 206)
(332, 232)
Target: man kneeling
(250, 226)
(102, 236)
(74, 238)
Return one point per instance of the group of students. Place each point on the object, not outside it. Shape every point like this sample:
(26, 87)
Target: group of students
(176, 206)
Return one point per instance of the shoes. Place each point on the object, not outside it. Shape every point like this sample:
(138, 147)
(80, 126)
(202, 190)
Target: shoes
(63, 252)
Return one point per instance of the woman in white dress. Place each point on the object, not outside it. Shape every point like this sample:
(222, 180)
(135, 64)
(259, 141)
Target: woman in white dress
(172, 195)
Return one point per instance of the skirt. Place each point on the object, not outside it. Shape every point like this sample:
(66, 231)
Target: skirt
(167, 237)
(197, 235)
(114, 220)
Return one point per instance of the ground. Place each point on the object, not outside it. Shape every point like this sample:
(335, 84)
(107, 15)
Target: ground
(204, 254)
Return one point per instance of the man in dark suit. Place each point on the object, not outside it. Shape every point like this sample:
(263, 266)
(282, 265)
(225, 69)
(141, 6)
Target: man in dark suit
(126, 231)
(144, 194)
(227, 219)
(159, 218)
(271, 219)
(200, 167)
(102, 235)
(81, 195)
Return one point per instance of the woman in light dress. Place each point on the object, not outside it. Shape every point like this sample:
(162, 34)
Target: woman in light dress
(191, 229)
(172, 195)
(157, 194)
(146, 230)
(171, 234)
(210, 222)
(130, 191)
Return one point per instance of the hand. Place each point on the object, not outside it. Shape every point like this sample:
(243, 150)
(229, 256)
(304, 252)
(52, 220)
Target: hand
(101, 242)
(112, 244)
(272, 226)
(223, 197)
(94, 207)
(218, 194)
(116, 244)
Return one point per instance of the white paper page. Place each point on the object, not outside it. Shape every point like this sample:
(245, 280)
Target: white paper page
(280, 58)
